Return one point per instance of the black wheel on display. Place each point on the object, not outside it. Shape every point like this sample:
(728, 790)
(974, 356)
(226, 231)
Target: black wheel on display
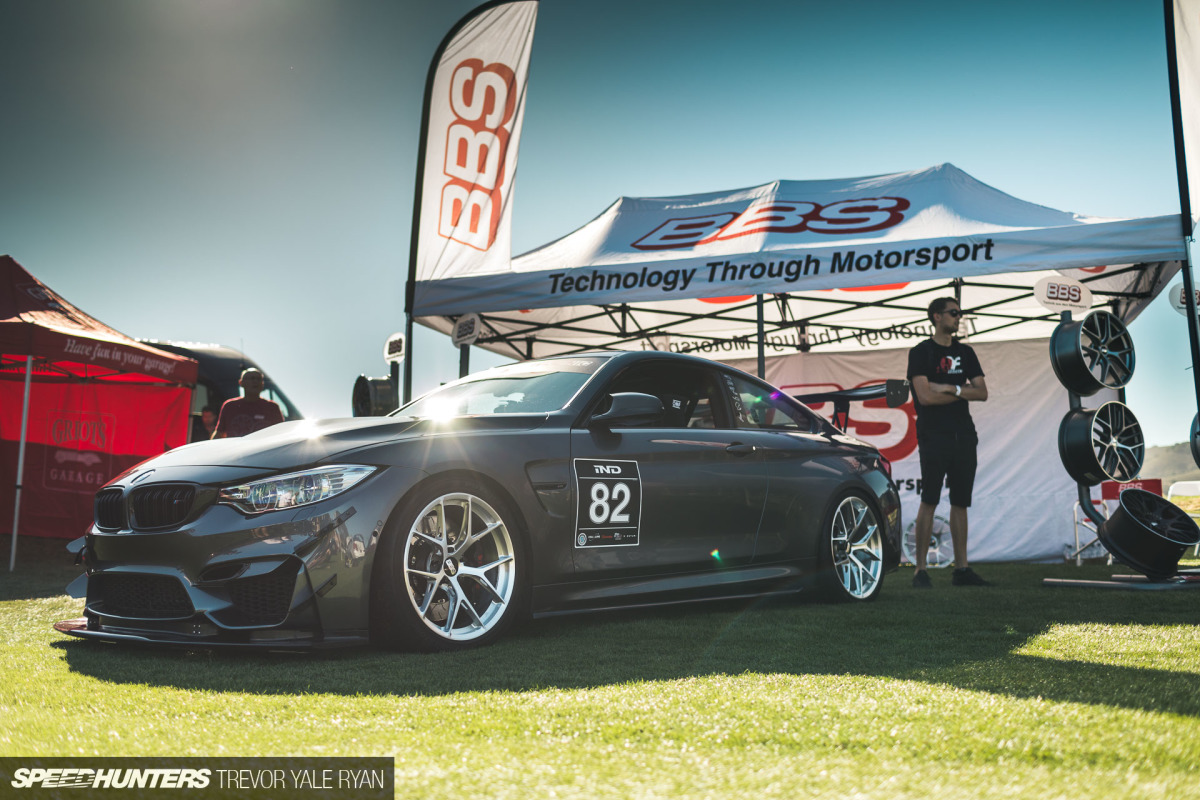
(1149, 533)
(451, 569)
(851, 557)
(1093, 353)
(1194, 439)
(1103, 444)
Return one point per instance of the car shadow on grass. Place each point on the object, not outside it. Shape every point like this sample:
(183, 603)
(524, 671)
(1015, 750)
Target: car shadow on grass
(973, 639)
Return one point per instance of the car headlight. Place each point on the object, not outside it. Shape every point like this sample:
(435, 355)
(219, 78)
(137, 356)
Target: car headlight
(293, 489)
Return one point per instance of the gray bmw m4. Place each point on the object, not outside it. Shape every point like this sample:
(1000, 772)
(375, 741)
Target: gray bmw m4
(567, 484)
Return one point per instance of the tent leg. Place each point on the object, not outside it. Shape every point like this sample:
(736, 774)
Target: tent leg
(408, 357)
(12, 555)
(762, 344)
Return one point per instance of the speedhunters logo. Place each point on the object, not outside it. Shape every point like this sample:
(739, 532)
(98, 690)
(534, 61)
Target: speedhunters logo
(253, 777)
(63, 778)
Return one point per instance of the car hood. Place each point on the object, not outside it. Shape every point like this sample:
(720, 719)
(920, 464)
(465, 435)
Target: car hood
(304, 442)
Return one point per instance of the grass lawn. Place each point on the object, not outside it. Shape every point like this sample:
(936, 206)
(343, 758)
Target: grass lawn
(1015, 691)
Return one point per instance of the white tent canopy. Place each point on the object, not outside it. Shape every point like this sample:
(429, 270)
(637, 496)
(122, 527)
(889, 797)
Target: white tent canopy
(828, 264)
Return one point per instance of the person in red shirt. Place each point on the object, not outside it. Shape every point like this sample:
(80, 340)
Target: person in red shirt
(243, 415)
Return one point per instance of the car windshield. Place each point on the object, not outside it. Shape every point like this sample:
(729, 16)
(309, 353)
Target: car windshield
(533, 387)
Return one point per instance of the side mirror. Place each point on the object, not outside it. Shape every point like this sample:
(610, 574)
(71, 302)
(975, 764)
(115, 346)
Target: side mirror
(630, 409)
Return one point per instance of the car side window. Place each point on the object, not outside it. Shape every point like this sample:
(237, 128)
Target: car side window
(689, 394)
(758, 406)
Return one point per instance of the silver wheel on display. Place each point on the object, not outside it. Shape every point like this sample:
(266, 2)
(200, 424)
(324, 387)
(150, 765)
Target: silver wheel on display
(1104, 444)
(854, 555)
(941, 544)
(1093, 353)
(452, 572)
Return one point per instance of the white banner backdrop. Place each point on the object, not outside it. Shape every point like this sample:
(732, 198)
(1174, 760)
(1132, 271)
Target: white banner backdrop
(1023, 503)
(476, 105)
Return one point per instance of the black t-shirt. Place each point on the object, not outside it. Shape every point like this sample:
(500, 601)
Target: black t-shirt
(955, 365)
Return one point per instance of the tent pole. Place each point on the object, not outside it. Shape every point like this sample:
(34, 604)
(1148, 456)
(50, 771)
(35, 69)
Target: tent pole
(12, 555)
(408, 357)
(762, 344)
(464, 360)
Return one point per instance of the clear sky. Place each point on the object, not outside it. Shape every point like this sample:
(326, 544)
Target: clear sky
(241, 171)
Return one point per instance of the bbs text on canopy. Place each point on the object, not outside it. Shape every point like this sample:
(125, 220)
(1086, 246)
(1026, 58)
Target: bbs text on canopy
(79, 403)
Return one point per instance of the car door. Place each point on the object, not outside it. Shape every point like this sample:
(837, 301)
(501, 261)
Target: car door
(685, 493)
(806, 466)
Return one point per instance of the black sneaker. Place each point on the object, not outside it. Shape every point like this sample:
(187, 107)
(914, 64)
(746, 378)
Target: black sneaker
(921, 580)
(967, 577)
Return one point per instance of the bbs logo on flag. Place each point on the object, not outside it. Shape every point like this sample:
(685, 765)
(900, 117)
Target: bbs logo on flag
(483, 99)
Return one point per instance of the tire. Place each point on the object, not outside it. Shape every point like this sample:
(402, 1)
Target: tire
(451, 571)
(851, 551)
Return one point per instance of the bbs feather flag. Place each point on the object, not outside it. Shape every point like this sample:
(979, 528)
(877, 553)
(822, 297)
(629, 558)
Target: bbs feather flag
(474, 106)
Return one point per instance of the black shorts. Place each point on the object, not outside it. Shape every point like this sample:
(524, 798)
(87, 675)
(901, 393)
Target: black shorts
(949, 459)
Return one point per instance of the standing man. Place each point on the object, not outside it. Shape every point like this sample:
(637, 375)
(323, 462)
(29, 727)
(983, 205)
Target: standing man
(945, 377)
(242, 415)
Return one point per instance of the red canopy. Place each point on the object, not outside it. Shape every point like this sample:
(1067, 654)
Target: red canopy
(98, 403)
(37, 321)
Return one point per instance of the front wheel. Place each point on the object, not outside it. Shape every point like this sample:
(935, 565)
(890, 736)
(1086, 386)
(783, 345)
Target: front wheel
(851, 551)
(452, 570)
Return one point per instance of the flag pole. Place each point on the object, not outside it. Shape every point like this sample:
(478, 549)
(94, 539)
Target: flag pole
(12, 555)
(1185, 207)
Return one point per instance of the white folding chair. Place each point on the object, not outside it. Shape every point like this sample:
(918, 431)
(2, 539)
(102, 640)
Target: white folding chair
(1181, 489)
(1093, 547)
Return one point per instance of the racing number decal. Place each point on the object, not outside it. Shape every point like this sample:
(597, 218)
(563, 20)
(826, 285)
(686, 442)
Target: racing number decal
(608, 503)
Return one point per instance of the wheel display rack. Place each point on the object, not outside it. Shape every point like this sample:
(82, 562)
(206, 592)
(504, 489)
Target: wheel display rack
(1145, 532)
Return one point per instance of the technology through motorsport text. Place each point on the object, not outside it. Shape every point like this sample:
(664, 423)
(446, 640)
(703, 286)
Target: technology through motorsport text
(789, 271)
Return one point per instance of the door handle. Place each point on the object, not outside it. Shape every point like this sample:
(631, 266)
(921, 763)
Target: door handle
(739, 449)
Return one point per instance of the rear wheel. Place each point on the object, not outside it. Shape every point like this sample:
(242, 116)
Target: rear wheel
(851, 551)
(452, 569)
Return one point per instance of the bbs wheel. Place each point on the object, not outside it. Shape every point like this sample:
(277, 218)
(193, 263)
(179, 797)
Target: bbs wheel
(1149, 533)
(451, 570)
(1093, 353)
(1194, 439)
(941, 544)
(851, 551)
(1104, 444)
